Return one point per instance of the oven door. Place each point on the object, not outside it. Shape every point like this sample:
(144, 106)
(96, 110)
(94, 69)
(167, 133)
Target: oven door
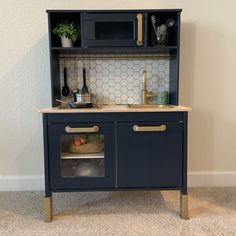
(113, 29)
(81, 156)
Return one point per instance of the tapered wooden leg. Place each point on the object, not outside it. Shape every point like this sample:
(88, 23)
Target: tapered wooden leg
(184, 206)
(48, 209)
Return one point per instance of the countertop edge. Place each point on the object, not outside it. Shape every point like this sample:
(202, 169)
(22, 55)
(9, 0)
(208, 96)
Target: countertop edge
(114, 109)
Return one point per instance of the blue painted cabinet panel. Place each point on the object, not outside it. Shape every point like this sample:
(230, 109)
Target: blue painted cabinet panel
(149, 159)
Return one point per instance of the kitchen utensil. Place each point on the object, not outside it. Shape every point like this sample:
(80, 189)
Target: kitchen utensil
(84, 88)
(153, 20)
(160, 32)
(160, 36)
(87, 169)
(58, 100)
(163, 29)
(65, 88)
(170, 22)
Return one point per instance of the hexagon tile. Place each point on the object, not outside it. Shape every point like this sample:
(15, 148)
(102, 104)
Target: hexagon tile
(116, 81)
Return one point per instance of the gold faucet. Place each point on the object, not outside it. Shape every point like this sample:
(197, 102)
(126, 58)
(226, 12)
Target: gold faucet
(145, 95)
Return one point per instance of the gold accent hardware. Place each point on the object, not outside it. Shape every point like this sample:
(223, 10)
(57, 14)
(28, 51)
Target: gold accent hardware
(145, 95)
(93, 129)
(160, 128)
(48, 209)
(144, 83)
(140, 29)
(184, 206)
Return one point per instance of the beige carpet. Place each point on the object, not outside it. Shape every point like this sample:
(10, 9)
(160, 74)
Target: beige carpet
(212, 212)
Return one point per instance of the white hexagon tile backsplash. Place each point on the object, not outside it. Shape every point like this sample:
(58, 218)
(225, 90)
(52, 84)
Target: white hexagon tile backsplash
(116, 81)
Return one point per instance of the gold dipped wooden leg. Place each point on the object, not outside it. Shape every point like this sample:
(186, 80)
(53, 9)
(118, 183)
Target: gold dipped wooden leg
(48, 209)
(184, 206)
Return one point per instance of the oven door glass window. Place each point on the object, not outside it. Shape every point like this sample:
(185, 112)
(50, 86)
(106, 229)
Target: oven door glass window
(82, 155)
(114, 30)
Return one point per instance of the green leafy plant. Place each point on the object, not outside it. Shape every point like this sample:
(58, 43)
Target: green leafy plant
(68, 30)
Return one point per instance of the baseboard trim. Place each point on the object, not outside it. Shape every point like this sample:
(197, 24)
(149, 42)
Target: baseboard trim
(212, 179)
(195, 179)
(21, 183)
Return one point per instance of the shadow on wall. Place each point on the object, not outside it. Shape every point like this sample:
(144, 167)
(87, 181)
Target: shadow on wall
(24, 90)
(187, 62)
(201, 88)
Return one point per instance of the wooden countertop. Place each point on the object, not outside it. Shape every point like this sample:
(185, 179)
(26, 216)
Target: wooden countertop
(115, 108)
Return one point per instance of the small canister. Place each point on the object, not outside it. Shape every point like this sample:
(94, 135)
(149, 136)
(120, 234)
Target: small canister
(162, 97)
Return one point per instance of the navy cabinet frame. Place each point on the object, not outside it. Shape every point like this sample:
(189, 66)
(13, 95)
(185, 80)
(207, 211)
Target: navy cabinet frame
(167, 153)
(121, 157)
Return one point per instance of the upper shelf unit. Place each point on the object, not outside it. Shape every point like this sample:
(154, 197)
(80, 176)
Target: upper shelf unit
(118, 31)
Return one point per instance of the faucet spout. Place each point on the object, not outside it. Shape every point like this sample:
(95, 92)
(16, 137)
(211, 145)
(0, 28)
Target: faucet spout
(144, 85)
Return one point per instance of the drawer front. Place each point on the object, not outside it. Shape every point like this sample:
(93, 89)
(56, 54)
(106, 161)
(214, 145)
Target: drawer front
(69, 128)
(149, 154)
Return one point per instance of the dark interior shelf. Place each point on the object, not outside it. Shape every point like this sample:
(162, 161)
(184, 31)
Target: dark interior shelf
(116, 50)
(59, 17)
(162, 18)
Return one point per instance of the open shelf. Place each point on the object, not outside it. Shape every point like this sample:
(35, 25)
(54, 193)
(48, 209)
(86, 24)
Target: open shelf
(172, 32)
(59, 17)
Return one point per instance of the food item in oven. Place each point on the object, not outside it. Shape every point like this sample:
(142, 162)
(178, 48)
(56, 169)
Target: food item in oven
(95, 137)
(83, 139)
(90, 143)
(92, 147)
(80, 140)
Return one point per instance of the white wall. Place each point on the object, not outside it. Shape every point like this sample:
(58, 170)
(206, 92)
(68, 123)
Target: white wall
(207, 83)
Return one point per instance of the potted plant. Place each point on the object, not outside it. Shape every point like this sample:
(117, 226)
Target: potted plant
(68, 32)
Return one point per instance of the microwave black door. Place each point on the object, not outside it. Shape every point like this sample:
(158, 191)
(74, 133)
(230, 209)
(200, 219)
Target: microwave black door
(113, 29)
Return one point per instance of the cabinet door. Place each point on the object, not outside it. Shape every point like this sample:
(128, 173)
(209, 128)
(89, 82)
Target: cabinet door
(81, 155)
(149, 154)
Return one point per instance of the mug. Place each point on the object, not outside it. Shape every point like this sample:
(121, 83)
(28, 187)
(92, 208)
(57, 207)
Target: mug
(162, 97)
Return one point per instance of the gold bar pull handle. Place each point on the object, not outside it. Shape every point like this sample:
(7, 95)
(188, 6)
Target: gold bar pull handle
(160, 128)
(140, 29)
(93, 129)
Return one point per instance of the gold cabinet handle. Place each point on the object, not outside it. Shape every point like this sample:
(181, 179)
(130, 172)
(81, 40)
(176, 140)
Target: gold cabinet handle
(160, 128)
(93, 129)
(140, 29)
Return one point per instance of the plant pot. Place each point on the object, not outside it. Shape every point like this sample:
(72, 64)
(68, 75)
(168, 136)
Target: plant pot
(66, 42)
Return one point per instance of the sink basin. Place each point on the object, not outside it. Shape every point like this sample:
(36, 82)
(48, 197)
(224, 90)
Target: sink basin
(149, 106)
